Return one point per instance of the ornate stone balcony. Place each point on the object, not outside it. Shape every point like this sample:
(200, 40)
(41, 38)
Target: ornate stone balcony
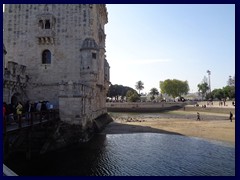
(15, 74)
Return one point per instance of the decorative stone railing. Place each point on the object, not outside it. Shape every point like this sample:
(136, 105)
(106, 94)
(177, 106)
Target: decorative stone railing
(15, 74)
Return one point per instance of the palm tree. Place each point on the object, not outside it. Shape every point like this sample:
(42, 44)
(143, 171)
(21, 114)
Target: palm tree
(153, 92)
(139, 86)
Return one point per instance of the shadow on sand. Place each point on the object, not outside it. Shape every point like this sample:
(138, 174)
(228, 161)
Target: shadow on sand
(119, 128)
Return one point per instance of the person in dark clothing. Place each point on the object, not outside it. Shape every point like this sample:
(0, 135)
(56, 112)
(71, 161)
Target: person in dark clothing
(28, 110)
(231, 116)
(11, 113)
(198, 116)
(4, 109)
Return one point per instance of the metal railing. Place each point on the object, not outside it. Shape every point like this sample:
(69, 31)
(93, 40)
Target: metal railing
(29, 118)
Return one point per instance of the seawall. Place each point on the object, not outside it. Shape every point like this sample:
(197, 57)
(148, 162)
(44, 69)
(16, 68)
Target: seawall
(144, 107)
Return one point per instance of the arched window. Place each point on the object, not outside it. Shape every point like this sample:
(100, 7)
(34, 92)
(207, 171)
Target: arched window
(40, 24)
(47, 24)
(46, 57)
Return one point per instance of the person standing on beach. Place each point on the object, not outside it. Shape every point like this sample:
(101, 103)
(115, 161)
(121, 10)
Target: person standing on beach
(198, 116)
(231, 115)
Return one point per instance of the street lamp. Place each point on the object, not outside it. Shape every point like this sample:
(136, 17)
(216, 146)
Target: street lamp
(209, 73)
(230, 81)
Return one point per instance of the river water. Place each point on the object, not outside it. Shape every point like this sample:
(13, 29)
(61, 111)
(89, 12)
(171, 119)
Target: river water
(140, 154)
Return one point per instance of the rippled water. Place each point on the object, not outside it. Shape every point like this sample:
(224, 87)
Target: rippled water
(142, 154)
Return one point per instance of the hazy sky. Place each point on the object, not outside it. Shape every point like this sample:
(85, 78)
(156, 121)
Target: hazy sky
(153, 43)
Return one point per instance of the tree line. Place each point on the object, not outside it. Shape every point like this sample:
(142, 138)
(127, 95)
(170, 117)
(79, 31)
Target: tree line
(174, 88)
(226, 92)
(120, 92)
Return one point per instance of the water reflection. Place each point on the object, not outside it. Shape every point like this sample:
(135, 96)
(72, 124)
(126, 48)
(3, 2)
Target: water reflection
(143, 154)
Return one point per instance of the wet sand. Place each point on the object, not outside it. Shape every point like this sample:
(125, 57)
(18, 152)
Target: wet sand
(213, 125)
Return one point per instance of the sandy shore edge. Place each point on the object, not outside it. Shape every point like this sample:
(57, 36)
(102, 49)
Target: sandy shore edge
(213, 126)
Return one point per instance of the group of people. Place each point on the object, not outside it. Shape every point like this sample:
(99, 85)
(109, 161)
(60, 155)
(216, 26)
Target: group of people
(223, 103)
(230, 116)
(12, 112)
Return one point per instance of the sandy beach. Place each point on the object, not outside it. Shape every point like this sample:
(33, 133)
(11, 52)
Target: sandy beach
(214, 124)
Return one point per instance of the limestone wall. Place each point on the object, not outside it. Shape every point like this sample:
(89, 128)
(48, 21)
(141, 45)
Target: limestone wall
(70, 25)
(61, 29)
(79, 103)
(62, 47)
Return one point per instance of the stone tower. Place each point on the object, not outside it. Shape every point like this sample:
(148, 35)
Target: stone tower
(62, 47)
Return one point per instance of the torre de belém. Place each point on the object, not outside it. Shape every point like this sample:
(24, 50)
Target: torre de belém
(56, 53)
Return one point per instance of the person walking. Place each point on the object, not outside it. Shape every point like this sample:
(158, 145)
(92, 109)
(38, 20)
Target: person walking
(231, 116)
(198, 116)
